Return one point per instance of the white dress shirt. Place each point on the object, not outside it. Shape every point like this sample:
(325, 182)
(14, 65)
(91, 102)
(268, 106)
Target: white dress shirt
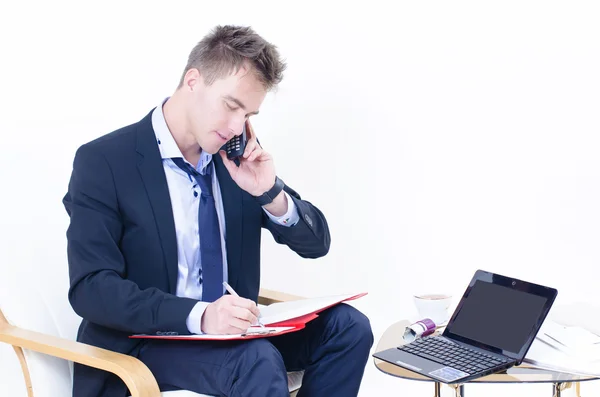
(185, 199)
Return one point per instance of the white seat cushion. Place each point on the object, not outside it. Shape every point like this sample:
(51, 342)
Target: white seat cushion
(295, 380)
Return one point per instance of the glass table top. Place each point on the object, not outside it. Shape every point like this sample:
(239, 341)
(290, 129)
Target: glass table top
(392, 337)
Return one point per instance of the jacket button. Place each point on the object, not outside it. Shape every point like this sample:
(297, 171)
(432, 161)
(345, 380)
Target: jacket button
(308, 220)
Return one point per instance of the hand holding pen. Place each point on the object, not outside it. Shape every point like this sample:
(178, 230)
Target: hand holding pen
(230, 314)
(232, 292)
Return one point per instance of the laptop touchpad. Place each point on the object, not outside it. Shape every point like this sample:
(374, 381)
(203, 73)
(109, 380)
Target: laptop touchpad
(448, 374)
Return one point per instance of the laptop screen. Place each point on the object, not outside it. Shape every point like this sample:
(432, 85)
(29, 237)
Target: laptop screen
(499, 316)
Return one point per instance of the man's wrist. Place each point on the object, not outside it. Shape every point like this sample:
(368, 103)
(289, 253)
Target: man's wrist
(194, 320)
(270, 195)
(279, 205)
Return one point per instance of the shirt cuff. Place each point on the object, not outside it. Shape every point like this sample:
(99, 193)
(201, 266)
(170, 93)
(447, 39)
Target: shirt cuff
(290, 218)
(194, 319)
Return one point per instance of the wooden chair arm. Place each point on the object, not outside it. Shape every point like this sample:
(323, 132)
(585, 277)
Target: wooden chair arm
(267, 296)
(133, 372)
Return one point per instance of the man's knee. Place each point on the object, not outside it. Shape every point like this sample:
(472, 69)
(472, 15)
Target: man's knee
(261, 352)
(354, 322)
(257, 360)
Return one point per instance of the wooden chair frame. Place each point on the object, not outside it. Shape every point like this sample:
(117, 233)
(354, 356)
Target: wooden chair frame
(133, 372)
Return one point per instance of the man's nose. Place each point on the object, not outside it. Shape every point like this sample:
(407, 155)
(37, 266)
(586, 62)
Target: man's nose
(236, 126)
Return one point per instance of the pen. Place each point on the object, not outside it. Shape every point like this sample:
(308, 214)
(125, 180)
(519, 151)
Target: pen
(232, 292)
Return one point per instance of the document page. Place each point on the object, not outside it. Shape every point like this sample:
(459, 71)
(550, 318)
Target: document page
(282, 311)
(545, 356)
(572, 337)
(568, 349)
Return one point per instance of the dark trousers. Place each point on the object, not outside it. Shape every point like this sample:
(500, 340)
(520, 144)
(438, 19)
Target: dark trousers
(332, 350)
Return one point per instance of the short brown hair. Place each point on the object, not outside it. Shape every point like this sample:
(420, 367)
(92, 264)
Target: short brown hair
(225, 50)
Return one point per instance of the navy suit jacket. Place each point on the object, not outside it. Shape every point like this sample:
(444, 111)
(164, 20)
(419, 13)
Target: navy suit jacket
(122, 248)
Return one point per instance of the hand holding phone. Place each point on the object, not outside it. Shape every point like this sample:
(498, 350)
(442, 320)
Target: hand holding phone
(250, 166)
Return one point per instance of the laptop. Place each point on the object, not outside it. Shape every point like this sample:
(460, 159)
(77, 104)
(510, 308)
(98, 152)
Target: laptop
(490, 331)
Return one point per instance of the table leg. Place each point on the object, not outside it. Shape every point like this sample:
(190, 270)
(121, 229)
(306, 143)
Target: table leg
(559, 387)
(578, 389)
(556, 390)
(437, 389)
(459, 390)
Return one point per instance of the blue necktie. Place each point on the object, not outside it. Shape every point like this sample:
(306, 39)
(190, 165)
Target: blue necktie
(211, 254)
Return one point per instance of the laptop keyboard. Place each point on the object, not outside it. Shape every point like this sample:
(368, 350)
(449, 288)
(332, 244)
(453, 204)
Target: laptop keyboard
(453, 355)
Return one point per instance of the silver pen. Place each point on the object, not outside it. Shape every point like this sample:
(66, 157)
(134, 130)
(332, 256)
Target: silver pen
(232, 292)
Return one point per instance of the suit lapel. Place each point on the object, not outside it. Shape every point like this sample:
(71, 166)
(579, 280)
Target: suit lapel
(232, 206)
(154, 179)
(153, 175)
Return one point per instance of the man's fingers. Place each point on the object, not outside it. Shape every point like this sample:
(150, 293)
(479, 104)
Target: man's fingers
(255, 154)
(250, 135)
(244, 314)
(229, 164)
(239, 325)
(246, 304)
(250, 146)
(242, 302)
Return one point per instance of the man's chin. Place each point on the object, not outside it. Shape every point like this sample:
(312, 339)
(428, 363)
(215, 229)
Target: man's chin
(213, 144)
(212, 149)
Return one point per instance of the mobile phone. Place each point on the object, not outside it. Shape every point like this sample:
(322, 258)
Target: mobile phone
(235, 146)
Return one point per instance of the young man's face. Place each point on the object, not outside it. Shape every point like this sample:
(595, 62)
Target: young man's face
(218, 111)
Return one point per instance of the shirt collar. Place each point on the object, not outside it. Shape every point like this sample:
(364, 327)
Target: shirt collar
(166, 144)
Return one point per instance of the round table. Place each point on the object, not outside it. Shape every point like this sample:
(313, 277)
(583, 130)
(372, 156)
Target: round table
(392, 337)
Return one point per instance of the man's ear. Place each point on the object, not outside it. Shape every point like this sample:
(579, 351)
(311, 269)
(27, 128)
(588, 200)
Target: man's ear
(192, 79)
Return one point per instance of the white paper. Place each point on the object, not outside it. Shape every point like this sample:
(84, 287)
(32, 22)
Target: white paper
(571, 337)
(546, 356)
(282, 311)
(568, 349)
(276, 313)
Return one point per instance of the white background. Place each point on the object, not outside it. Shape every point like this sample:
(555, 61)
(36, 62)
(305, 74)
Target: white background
(437, 137)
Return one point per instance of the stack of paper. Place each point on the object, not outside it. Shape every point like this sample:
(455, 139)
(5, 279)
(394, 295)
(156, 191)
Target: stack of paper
(300, 311)
(565, 349)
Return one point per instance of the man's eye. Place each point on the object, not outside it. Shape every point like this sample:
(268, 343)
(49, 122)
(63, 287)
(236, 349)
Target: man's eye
(230, 107)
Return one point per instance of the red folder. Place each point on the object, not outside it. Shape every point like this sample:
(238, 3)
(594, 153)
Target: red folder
(281, 327)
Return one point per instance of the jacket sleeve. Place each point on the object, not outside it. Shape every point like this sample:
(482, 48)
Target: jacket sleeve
(310, 237)
(99, 289)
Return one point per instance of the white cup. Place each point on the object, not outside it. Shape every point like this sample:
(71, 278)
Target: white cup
(433, 306)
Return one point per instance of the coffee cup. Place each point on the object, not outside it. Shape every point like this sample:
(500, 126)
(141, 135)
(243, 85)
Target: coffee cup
(433, 306)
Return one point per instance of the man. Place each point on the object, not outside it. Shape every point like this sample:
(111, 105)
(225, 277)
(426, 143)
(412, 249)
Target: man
(160, 218)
